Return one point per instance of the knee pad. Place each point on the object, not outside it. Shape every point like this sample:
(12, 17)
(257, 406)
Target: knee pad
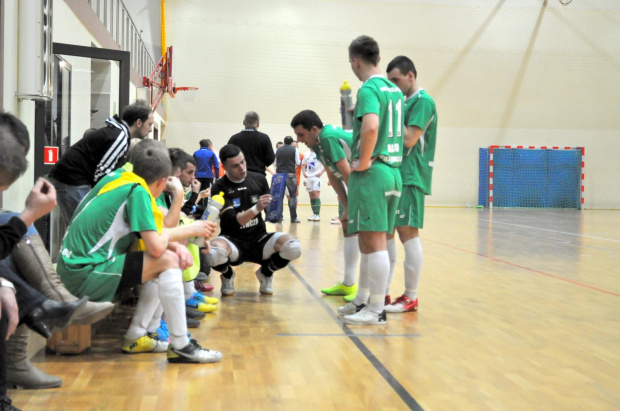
(217, 256)
(291, 250)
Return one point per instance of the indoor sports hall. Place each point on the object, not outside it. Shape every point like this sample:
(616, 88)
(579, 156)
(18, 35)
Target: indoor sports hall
(520, 288)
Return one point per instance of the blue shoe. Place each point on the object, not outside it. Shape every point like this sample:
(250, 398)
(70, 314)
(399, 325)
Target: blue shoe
(162, 332)
(205, 299)
(200, 306)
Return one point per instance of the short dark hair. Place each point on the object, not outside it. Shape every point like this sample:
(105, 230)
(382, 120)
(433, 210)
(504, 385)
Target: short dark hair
(144, 144)
(288, 140)
(205, 142)
(307, 119)
(403, 64)
(251, 119)
(150, 160)
(14, 126)
(180, 158)
(136, 111)
(13, 161)
(365, 48)
(229, 151)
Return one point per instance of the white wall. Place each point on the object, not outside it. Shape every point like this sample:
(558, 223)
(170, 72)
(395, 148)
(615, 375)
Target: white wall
(501, 72)
(67, 28)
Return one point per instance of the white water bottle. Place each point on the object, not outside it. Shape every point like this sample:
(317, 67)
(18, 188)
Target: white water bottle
(212, 213)
(346, 103)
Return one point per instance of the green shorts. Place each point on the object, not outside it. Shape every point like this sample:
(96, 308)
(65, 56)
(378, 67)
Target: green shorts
(373, 198)
(100, 282)
(411, 207)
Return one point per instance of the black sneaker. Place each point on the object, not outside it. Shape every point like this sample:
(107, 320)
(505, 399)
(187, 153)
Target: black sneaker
(202, 277)
(5, 404)
(194, 313)
(192, 322)
(192, 353)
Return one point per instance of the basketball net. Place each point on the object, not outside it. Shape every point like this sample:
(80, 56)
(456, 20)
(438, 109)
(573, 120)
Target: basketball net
(188, 93)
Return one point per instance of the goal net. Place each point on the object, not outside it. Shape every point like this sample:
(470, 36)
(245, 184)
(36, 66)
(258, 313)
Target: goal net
(531, 177)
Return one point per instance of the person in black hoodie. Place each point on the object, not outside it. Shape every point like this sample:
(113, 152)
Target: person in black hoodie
(255, 146)
(97, 154)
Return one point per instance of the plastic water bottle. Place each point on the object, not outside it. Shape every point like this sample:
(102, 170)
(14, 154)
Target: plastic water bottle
(212, 213)
(346, 103)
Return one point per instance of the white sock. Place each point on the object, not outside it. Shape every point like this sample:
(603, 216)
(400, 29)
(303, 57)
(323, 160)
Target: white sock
(378, 268)
(147, 305)
(172, 299)
(351, 260)
(413, 266)
(363, 291)
(156, 320)
(391, 249)
(188, 289)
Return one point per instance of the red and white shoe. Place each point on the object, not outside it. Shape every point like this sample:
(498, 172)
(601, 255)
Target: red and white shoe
(402, 304)
(202, 287)
(388, 300)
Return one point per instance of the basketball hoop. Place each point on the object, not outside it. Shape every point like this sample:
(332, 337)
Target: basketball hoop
(161, 79)
(188, 93)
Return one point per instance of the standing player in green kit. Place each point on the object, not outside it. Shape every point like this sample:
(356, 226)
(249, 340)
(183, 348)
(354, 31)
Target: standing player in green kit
(416, 171)
(375, 182)
(332, 146)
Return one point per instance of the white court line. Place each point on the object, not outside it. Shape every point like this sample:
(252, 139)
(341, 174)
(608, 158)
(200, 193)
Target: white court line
(553, 231)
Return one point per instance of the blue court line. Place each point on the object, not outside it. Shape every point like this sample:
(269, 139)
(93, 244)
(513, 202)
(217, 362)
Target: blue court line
(387, 376)
(345, 335)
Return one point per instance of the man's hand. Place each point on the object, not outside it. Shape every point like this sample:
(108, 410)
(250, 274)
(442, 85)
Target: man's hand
(8, 305)
(195, 185)
(185, 257)
(174, 186)
(40, 201)
(203, 228)
(263, 202)
(204, 194)
(345, 215)
(357, 166)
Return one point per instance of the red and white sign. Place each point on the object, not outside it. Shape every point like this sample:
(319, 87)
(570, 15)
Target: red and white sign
(50, 155)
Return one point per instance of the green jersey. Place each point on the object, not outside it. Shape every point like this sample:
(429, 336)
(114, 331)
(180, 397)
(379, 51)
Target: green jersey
(418, 161)
(103, 227)
(334, 145)
(161, 200)
(380, 96)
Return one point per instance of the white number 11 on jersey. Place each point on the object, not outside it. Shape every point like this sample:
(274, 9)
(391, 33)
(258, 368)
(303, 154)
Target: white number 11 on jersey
(399, 113)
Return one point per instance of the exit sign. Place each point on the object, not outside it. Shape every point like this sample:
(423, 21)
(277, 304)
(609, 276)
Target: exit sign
(50, 155)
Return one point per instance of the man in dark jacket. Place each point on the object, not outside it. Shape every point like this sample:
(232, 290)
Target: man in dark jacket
(97, 154)
(255, 146)
(287, 159)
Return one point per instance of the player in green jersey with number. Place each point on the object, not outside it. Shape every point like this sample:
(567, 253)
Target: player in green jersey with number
(375, 183)
(332, 146)
(97, 256)
(416, 171)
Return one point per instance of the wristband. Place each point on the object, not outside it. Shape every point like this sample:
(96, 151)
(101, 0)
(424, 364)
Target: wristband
(255, 209)
(7, 284)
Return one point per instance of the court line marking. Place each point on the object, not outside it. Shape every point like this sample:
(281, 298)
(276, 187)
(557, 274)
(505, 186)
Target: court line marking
(552, 240)
(525, 268)
(383, 371)
(552, 231)
(346, 335)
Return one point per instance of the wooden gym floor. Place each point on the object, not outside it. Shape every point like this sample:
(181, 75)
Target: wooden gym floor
(519, 310)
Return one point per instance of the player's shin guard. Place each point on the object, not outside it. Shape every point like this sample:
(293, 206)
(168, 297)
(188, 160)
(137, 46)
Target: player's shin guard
(225, 269)
(148, 305)
(378, 267)
(274, 263)
(391, 249)
(172, 299)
